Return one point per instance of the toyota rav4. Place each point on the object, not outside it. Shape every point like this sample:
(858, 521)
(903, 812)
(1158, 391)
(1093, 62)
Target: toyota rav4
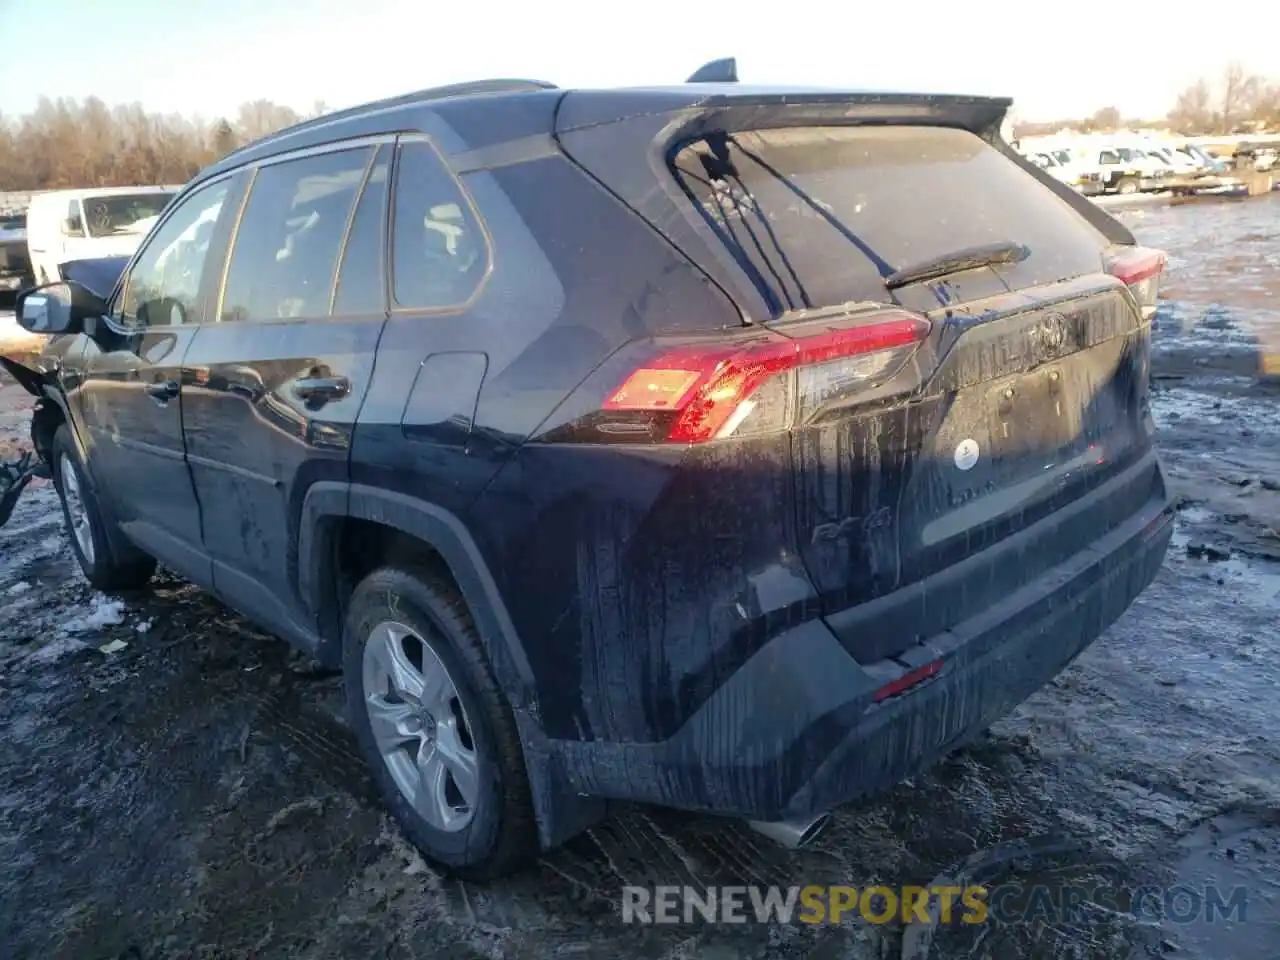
(732, 449)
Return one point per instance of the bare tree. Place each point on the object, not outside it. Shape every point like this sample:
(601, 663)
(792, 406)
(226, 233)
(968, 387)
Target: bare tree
(1193, 111)
(1241, 102)
(1107, 119)
(222, 139)
(1267, 108)
(261, 117)
(1239, 98)
(65, 143)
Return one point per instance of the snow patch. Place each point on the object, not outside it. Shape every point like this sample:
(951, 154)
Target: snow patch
(105, 613)
(57, 649)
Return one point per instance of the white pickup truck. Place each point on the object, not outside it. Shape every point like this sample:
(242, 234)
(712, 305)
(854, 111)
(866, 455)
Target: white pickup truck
(1129, 169)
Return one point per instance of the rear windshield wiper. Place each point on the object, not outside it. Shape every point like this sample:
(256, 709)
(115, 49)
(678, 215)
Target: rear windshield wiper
(985, 255)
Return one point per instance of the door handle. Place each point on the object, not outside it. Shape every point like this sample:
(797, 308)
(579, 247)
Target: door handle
(317, 391)
(163, 392)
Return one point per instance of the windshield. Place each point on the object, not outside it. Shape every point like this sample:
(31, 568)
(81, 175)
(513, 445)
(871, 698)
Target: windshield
(123, 213)
(13, 222)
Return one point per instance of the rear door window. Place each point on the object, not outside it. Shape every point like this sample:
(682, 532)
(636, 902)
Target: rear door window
(821, 215)
(285, 257)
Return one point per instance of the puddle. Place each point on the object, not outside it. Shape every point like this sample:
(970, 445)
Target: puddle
(1257, 576)
(1225, 901)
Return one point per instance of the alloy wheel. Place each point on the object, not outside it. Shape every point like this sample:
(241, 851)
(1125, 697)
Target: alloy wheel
(420, 726)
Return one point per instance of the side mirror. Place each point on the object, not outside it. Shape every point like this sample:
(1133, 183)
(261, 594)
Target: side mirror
(72, 227)
(57, 308)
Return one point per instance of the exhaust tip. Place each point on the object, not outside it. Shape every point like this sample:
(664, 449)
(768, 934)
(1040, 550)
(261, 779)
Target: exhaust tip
(792, 834)
(815, 829)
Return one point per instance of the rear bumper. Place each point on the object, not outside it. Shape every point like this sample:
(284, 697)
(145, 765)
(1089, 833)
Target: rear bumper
(795, 730)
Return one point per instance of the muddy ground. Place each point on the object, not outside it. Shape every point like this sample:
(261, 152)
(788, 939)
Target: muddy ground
(174, 784)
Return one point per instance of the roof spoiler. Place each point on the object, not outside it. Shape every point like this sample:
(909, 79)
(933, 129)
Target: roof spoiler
(717, 71)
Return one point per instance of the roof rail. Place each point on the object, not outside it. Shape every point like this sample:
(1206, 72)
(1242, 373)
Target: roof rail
(468, 89)
(717, 71)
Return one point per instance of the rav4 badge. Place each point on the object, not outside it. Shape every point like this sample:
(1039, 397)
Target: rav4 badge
(966, 454)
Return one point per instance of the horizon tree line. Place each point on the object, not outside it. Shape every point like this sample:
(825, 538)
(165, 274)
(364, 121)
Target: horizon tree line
(66, 142)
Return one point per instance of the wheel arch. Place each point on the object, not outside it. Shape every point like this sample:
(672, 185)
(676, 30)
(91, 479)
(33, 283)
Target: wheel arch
(328, 503)
(560, 811)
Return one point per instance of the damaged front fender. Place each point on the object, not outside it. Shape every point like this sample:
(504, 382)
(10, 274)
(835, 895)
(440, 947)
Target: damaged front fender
(16, 475)
(14, 478)
(30, 380)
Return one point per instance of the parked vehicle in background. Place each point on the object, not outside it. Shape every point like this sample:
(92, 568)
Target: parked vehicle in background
(65, 225)
(1202, 158)
(1128, 169)
(1180, 164)
(725, 480)
(1065, 168)
(15, 265)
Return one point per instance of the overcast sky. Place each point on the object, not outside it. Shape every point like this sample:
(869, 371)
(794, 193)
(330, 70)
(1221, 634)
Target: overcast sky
(205, 57)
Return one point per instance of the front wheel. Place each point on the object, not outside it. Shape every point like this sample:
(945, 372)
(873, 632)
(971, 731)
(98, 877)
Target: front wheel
(1127, 186)
(86, 527)
(432, 723)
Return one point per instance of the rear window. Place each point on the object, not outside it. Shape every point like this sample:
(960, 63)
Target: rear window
(820, 215)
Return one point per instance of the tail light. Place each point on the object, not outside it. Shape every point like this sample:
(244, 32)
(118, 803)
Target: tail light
(701, 391)
(1138, 268)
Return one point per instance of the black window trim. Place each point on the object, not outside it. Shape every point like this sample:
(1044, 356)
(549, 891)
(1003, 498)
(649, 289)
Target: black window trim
(375, 141)
(378, 151)
(396, 307)
(78, 203)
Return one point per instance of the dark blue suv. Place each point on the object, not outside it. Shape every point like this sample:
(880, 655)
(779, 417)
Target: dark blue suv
(732, 449)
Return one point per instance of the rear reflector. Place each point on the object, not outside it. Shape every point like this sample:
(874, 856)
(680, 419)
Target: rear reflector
(908, 680)
(1139, 268)
(709, 387)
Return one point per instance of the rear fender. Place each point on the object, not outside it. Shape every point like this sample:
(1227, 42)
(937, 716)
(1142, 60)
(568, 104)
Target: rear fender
(560, 811)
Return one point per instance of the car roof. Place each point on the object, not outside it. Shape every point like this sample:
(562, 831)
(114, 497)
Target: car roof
(500, 100)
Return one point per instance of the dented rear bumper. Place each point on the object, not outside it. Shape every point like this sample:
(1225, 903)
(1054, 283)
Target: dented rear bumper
(798, 730)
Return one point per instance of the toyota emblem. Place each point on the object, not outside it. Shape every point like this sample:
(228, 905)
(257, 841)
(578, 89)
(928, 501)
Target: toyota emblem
(1053, 331)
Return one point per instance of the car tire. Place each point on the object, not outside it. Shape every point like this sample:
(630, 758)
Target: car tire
(1127, 186)
(413, 617)
(101, 563)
